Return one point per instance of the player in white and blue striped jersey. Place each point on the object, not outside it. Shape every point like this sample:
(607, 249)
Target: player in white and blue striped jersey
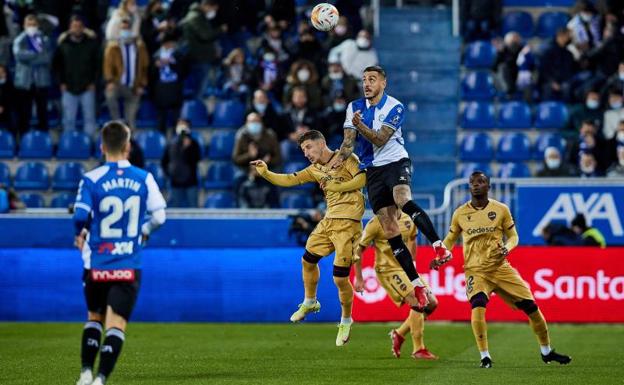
(111, 227)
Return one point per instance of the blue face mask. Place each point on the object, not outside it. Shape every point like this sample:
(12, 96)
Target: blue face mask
(340, 106)
(592, 104)
(125, 34)
(260, 107)
(254, 128)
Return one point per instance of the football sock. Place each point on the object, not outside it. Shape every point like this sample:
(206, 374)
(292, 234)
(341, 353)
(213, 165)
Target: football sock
(91, 335)
(403, 256)
(538, 324)
(111, 347)
(309, 301)
(346, 320)
(484, 354)
(345, 294)
(422, 220)
(545, 350)
(417, 328)
(311, 275)
(404, 328)
(479, 328)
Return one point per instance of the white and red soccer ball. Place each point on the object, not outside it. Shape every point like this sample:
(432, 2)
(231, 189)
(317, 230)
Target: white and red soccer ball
(324, 17)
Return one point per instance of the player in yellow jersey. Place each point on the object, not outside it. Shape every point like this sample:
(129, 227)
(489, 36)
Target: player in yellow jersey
(482, 223)
(338, 231)
(394, 280)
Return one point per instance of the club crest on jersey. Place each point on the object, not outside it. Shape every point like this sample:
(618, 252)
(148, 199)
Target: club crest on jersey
(408, 224)
(120, 172)
(395, 120)
(382, 117)
(469, 217)
(492, 215)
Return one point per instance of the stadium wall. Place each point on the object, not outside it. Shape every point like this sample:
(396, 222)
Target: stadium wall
(264, 285)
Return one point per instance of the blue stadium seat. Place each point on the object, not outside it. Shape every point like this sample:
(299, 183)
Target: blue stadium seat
(478, 115)
(477, 147)
(477, 85)
(67, 176)
(514, 170)
(292, 167)
(153, 144)
(221, 145)
(195, 111)
(74, 145)
(32, 176)
(551, 115)
(7, 144)
(468, 168)
(220, 175)
(549, 22)
(479, 54)
(63, 200)
(520, 22)
(229, 113)
(158, 174)
(36, 144)
(545, 140)
(515, 115)
(200, 141)
(5, 175)
(513, 147)
(220, 200)
(146, 116)
(296, 201)
(32, 200)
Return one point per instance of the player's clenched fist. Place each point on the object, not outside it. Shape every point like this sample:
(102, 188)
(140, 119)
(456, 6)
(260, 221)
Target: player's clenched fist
(357, 118)
(260, 166)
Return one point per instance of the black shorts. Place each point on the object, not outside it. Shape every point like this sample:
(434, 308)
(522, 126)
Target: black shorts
(381, 180)
(120, 296)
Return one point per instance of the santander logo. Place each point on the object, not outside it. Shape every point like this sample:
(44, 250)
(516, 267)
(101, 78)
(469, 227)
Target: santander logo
(599, 286)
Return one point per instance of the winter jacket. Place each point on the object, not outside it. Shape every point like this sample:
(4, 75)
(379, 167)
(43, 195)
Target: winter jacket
(76, 63)
(32, 65)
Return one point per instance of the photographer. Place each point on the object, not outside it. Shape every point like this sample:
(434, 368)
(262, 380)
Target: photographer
(179, 163)
(303, 224)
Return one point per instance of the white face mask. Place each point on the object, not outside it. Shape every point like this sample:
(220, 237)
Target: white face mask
(362, 43)
(620, 136)
(125, 34)
(260, 107)
(339, 106)
(340, 29)
(303, 75)
(621, 162)
(268, 57)
(254, 128)
(182, 128)
(211, 14)
(31, 31)
(621, 75)
(592, 104)
(615, 105)
(586, 17)
(553, 163)
(336, 75)
(587, 169)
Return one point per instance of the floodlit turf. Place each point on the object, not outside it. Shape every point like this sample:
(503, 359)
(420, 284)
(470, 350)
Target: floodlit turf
(305, 354)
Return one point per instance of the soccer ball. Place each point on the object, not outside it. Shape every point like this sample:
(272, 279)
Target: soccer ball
(324, 16)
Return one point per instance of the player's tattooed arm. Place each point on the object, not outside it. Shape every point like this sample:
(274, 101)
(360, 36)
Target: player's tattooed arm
(346, 149)
(378, 138)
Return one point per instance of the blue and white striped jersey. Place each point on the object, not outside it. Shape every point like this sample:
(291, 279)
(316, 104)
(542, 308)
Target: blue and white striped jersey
(115, 198)
(388, 112)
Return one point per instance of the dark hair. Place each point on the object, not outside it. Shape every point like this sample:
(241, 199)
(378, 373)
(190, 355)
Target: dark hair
(209, 2)
(76, 17)
(310, 135)
(115, 136)
(479, 172)
(579, 220)
(562, 30)
(377, 69)
(32, 17)
(589, 122)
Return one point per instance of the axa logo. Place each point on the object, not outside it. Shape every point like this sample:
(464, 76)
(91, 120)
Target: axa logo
(596, 207)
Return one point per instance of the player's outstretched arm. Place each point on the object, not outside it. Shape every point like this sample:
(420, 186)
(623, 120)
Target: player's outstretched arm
(351, 185)
(282, 180)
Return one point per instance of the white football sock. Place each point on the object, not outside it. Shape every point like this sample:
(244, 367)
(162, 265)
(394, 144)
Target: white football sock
(344, 320)
(545, 349)
(484, 354)
(309, 301)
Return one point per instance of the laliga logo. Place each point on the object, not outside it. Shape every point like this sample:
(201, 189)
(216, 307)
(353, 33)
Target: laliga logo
(373, 292)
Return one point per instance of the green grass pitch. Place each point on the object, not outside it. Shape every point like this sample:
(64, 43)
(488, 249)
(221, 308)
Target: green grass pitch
(48, 353)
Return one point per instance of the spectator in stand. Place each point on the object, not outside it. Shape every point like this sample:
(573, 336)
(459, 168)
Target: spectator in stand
(585, 26)
(506, 65)
(306, 46)
(272, 41)
(33, 61)
(297, 116)
(281, 12)
(617, 169)
(591, 236)
(481, 18)
(303, 75)
(135, 154)
(76, 65)
(606, 56)
(7, 93)
(5, 39)
(169, 69)
(589, 111)
(554, 166)
(127, 10)
(589, 142)
(179, 163)
(261, 104)
(614, 115)
(557, 68)
(612, 144)
(588, 165)
(201, 33)
(616, 81)
(155, 25)
(341, 32)
(337, 81)
(254, 141)
(332, 119)
(268, 74)
(355, 55)
(256, 192)
(237, 75)
(526, 63)
(126, 67)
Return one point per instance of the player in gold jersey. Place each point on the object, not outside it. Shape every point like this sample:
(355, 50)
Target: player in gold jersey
(338, 231)
(394, 280)
(483, 222)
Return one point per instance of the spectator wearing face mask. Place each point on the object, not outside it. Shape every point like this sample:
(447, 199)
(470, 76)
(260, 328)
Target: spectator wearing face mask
(76, 63)
(341, 32)
(268, 74)
(590, 235)
(33, 60)
(273, 41)
(506, 64)
(126, 70)
(332, 119)
(298, 118)
(261, 104)
(127, 10)
(254, 141)
(588, 111)
(614, 82)
(355, 55)
(585, 26)
(589, 142)
(557, 68)
(255, 192)
(588, 165)
(606, 55)
(237, 75)
(337, 81)
(179, 163)
(553, 165)
(170, 68)
(155, 25)
(7, 93)
(303, 75)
